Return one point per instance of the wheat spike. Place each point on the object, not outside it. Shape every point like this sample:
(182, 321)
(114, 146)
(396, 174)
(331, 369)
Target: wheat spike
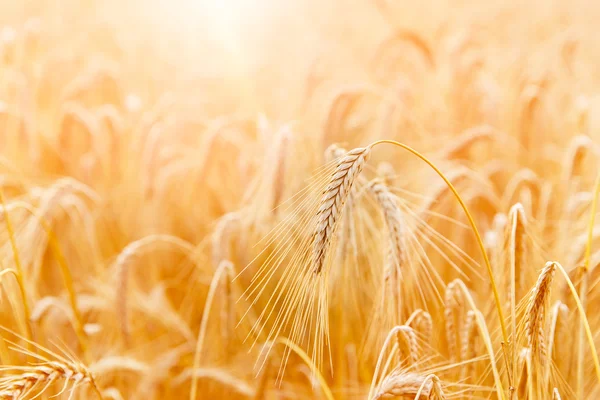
(408, 347)
(536, 311)
(31, 381)
(463, 143)
(347, 238)
(333, 201)
(411, 386)
(386, 172)
(36, 379)
(123, 264)
(397, 39)
(395, 225)
(221, 237)
(340, 109)
(404, 385)
(421, 322)
(572, 163)
(468, 350)
(518, 247)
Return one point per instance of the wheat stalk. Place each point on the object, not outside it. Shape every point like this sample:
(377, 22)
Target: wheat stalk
(395, 226)
(440, 191)
(222, 236)
(333, 200)
(282, 158)
(463, 143)
(530, 101)
(352, 367)
(123, 265)
(572, 164)
(161, 370)
(454, 305)
(524, 179)
(469, 350)
(340, 108)
(225, 268)
(517, 249)
(517, 236)
(402, 36)
(263, 379)
(78, 130)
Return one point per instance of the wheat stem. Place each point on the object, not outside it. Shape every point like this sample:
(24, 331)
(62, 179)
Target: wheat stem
(19, 270)
(584, 286)
(315, 371)
(224, 267)
(517, 263)
(584, 320)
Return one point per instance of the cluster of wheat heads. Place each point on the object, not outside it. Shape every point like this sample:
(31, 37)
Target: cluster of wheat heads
(165, 237)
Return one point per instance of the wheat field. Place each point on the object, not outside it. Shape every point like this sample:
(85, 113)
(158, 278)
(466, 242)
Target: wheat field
(238, 199)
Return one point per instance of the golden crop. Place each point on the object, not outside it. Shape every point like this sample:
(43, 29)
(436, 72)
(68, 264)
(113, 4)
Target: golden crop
(301, 199)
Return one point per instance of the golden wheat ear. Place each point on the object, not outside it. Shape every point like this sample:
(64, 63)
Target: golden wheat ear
(410, 385)
(422, 323)
(389, 305)
(535, 315)
(535, 329)
(333, 200)
(31, 381)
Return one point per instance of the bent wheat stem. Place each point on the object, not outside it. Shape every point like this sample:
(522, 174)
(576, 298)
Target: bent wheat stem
(471, 223)
(224, 267)
(584, 285)
(584, 320)
(293, 347)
